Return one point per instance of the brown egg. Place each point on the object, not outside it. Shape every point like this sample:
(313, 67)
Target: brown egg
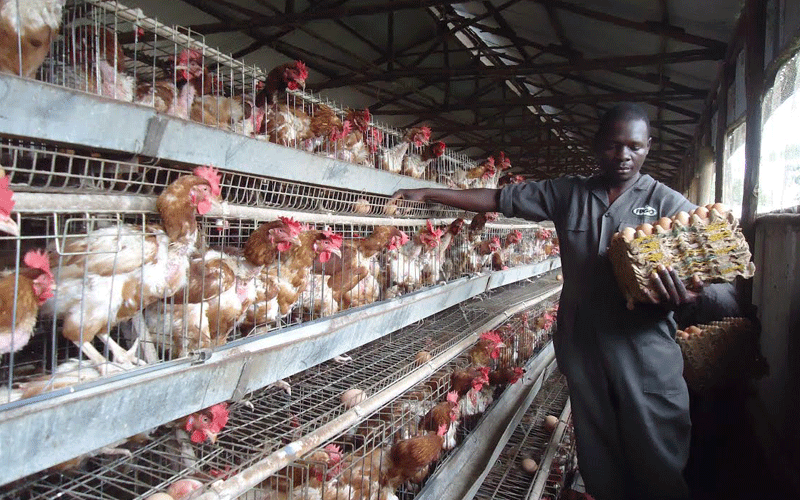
(183, 488)
(159, 496)
(361, 206)
(693, 330)
(641, 234)
(683, 335)
(709, 206)
(560, 277)
(390, 208)
(682, 217)
(629, 234)
(720, 207)
(665, 223)
(529, 465)
(550, 423)
(352, 397)
(422, 357)
(701, 212)
(646, 228)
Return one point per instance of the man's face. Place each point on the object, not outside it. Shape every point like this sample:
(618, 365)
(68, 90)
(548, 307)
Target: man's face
(622, 149)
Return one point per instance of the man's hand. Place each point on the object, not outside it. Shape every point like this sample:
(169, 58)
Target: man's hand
(409, 195)
(670, 290)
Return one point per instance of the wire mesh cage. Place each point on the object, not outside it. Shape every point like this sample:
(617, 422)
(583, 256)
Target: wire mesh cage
(268, 420)
(107, 49)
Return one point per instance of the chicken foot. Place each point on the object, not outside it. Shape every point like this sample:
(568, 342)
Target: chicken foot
(144, 338)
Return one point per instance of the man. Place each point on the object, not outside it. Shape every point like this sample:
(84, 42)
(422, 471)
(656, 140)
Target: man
(624, 369)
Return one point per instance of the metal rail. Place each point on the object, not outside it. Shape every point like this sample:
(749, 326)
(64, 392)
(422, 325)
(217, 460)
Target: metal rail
(237, 368)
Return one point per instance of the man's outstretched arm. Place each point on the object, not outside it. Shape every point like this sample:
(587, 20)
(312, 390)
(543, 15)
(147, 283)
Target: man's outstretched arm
(472, 200)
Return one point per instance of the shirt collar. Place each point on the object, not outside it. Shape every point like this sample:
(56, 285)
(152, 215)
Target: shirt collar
(598, 189)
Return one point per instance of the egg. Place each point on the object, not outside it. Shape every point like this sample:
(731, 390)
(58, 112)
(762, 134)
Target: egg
(701, 212)
(709, 206)
(560, 277)
(665, 223)
(529, 465)
(720, 207)
(352, 397)
(693, 330)
(550, 423)
(682, 217)
(183, 488)
(683, 335)
(646, 228)
(361, 206)
(390, 208)
(159, 496)
(422, 357)
(640, 234)
(629, 233)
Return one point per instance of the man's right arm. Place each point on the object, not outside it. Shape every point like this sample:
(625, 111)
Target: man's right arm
(471, 200)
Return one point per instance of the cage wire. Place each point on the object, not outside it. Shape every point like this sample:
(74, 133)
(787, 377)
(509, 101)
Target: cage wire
(107, 49)
(507, 479)
(270, 418)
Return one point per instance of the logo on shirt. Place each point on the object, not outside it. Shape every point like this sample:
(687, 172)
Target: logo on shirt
(645, 211)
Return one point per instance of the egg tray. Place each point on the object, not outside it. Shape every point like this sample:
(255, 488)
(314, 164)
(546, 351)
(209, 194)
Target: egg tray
(721, 353)
(705, 243)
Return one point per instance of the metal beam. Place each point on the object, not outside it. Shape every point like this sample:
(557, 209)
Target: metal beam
(607, 63)
(657, 28)
(308, 16)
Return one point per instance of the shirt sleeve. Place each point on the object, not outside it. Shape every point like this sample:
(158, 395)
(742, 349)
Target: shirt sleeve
(535, 200)
(673, 202)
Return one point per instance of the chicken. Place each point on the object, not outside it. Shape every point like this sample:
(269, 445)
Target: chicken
(471, 378)
(291, 76)
(486, 350)
(478, 222)
(324, 125)
(404, 266)
(198, 427)
(446, 268)
(351, 145)
(505, 376)
(175, 97)
(262, 249)
(478, 256)
(358, 263)
(444, 413)
(409, 456)
(7, 223)
(296, 264)
(366, 475)
(219, 291)
(308, 472)
(502, 257)
(391, 159)
(97, 64)
(415, 165)
(114, 272)
(39, 21)
(288, 125)
(34, 285)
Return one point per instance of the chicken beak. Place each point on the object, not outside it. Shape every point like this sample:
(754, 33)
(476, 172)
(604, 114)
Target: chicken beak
(212, 436)
(337, 252)
(9, 226)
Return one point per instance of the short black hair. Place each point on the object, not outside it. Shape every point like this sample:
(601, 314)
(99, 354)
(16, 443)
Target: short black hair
(624, 111)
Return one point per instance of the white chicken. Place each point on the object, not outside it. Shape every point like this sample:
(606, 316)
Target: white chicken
(112, 273)
(33, 28)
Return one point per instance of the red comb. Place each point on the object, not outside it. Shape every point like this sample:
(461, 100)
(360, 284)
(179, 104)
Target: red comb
(333, 238)
(6, 194)
(491, 335)
(219, 416)
(333, 448)
(301, 68)
(426, 132)
(211, 175)
(38, 259)
(452, 397)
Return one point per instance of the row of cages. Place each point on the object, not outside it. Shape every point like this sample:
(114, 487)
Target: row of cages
(107, 49)
(517, 470)
(40, 167)
(94, 294)
(367, 460)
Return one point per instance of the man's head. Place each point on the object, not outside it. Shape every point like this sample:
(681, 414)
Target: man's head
(622, 142)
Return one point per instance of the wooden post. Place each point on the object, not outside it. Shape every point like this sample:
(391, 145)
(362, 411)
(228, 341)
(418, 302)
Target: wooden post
(722, 129)
(756, 12)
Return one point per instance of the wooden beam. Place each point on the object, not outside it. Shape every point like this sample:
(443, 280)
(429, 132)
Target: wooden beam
(756, 12)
